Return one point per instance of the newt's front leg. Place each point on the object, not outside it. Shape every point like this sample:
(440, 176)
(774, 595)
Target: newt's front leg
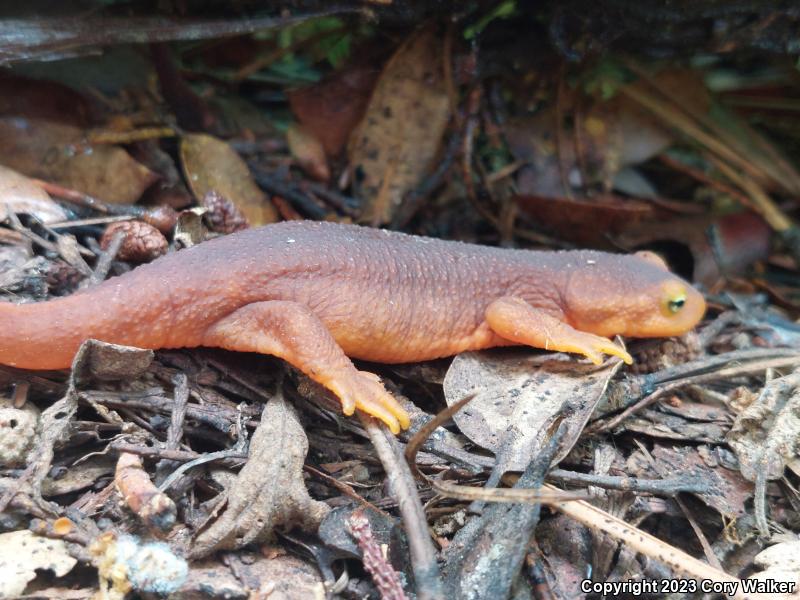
(292, 332)
(515, 320)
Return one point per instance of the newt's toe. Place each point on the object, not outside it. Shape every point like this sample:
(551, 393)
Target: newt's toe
(378, 411)
(593, 347)
(615, 350)
(366, 393)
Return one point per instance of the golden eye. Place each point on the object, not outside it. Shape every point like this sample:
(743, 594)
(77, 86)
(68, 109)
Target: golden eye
(676, 303)
(673, 297)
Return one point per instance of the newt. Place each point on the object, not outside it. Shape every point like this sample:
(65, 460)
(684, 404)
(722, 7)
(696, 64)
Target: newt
(316, 294)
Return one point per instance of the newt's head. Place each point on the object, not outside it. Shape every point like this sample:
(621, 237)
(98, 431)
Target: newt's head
(631, 295)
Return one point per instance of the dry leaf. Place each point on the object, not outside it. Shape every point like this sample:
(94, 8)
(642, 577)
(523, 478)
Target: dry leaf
(307, 150)
(59, 153)
(728, 490)
(607, 137)
(331, 108)
(660, 423)
(20, 195)
(210, 578)
(281, 577)
(22, 552)
(80, 476)
(394, 146)
(519, 396)
(764, 434)
(269, 491)
(211, 165)
(589, 222)
(42, 99)
(781, 563)
(190, 228)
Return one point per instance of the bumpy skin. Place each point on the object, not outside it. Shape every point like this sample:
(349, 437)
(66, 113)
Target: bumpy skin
(315, 293)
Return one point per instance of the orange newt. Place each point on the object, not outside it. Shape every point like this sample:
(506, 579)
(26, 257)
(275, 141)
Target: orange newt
(316, 293)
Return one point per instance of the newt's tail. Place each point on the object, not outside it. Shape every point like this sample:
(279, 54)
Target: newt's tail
(47, 335)
(44, 335)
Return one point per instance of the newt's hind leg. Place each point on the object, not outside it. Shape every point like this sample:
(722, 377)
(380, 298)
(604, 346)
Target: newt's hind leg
(292, 332)
(515, 320)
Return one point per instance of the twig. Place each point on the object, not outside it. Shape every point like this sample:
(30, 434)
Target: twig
(88, 222)
(743, 362)
(760, 199)
(644, 543)
(287, 191)
(465, 492)
(707, 550)
(175, 430)
(760, 503)
(347, 204)
(155, 509)
(107, 256)
(423, 555)
(344, 488)
(600, 520)
(17, 226)
(161, 217)
(707, 179)
(176, 455)
(661, 487)
(54, 37)
(200, 460)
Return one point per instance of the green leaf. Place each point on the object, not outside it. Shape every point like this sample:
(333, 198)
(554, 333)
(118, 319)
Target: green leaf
(505, 9)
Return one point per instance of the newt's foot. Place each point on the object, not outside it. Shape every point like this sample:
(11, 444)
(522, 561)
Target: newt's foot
(592, 347)
(365, 392)
(514, 319)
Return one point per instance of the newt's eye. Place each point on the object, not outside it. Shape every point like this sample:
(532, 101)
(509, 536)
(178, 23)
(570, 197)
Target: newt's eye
(673, 298)
(676, 303)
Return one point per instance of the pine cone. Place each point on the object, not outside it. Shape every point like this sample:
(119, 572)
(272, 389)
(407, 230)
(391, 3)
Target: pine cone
(223, 216)
(141, 242)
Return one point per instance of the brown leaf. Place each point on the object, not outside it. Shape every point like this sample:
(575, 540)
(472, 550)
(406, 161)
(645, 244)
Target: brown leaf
(210, 164)
(519, 396)
(307, 150)
(269, 492)
(59, 153)
(728, 490)
(20, 195)
(332, 108)
(589, 222)
(728, 245)
(395, 144)
(42, 99)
